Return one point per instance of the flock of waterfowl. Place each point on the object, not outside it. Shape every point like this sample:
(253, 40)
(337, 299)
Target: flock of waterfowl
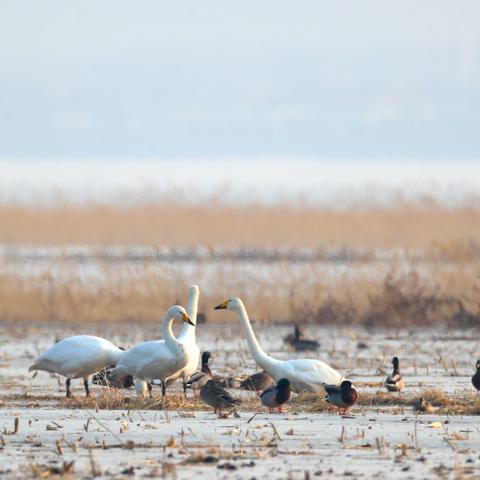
(173, 358)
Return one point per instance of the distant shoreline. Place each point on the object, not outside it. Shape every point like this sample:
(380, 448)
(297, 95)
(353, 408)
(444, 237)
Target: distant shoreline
(334, 183)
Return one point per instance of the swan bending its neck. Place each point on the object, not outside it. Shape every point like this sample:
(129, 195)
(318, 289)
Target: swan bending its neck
(264, 360)
(167, 332)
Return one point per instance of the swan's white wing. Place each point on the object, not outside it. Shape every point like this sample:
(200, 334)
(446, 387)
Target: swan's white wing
(310, 374)
(77, 356)
(149, 360)
(193, 356)
(133, 359)
(162, 366)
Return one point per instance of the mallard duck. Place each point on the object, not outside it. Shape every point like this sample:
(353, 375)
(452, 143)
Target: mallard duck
(256, 382)
(476, 377)
(301, 344)
(199, 379)
(105, 379)
(217, 397)
(297, 333)
(395, 382)
(78, 357)
(304, 374)
(343, 396)
(276, 395)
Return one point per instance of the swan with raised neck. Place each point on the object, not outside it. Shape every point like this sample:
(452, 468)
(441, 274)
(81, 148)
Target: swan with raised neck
(187, 337)
(303, 374)
(156, 359)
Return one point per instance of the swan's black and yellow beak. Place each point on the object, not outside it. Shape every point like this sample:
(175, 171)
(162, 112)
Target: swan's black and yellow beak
(186, 319)
(222, 306)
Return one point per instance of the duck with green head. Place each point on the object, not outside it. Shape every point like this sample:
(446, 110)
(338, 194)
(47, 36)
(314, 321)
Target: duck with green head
(276, 395)
(343, 396)
(395, 382)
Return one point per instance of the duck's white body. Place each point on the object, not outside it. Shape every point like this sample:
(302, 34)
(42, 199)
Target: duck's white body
(303, 374)
(78, 356)
(156, 359)
(188, 339)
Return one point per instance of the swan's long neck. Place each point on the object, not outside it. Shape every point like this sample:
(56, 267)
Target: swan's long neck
(264, 360)
(167, 332)
(188, 331)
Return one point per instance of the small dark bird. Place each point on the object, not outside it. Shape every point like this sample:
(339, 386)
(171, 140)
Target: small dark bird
(205, 367)
(395, 382)
(297, 333)
(476, 377)
(105, 379)
(301, 344)
(343, 396)
(276, 395)
(217, 397)
(257, 382)
(424, 406)
(199, 379)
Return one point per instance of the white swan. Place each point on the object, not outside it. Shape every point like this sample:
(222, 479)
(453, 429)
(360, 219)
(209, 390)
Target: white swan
(303, 374)
(78, 356)
(188, 338)
(157, 359)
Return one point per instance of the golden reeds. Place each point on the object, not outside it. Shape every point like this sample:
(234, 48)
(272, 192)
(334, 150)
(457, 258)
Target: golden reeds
(450, 232)
(433, 294)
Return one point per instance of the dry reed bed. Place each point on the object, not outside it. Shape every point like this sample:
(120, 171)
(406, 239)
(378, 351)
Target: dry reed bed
(448, 232)
(397, 295)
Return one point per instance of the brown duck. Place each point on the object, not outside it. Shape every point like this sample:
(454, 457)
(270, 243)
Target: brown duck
(217, 397)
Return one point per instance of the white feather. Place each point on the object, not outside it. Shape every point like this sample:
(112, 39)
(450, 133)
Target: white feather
(78, 356)
(155, 359)
(303, 374)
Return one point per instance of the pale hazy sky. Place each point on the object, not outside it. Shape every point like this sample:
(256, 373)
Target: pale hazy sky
(214, 79)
